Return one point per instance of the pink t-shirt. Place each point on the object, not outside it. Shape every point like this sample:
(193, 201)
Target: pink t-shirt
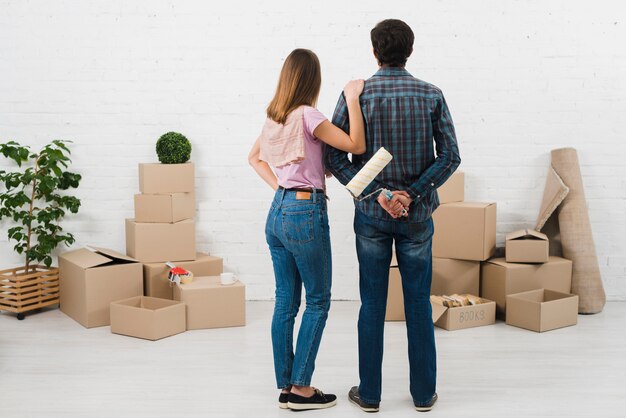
(309, 172)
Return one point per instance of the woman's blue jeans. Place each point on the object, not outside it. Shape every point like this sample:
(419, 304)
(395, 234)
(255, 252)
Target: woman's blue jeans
(413, 242)
(298, 237)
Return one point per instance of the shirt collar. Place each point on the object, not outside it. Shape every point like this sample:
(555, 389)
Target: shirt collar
(392, 71)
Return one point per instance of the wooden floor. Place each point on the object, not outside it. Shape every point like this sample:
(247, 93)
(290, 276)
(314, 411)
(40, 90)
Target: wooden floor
(50, 366)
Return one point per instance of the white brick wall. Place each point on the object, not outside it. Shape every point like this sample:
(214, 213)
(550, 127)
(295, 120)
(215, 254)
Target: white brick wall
(520, 77)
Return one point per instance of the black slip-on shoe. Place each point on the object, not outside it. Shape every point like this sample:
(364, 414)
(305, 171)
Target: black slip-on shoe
(283, 398)
(356, 399)
(425, 407)
(319, 400)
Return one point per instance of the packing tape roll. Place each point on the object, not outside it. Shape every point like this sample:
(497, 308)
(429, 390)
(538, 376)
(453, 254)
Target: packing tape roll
(369, 171)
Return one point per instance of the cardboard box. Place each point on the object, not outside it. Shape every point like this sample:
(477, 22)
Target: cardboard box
(156, 178)
(165, 208)
(153, 242)
(146, 317)
(499, 278)
(155, 279)
(395, 298)
(90, 280)
(449, 276)
(465, 231)
(211, 304)
(453, 190)
(526, 246)
(462, 317)
(541, 310)
(455, 276)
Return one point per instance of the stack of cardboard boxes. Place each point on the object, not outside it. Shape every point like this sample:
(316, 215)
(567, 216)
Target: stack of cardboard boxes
(535, 283)
(465, 235)
(133, 293)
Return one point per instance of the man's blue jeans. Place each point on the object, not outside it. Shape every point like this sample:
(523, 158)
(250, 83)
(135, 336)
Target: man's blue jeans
(298, 237)
(413, 242)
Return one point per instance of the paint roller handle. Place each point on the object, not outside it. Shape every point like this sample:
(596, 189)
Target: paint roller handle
(389, 195)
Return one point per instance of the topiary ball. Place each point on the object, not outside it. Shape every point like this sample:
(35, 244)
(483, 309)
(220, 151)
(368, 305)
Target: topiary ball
(173, 148)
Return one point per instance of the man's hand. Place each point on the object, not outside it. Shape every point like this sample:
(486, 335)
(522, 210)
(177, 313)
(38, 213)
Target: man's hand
(403, 197)
(395, 206)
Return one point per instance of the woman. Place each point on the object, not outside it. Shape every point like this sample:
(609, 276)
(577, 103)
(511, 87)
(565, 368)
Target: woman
(288, 156)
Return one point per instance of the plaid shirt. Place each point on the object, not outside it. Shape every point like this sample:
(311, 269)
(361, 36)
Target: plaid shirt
(404, 115)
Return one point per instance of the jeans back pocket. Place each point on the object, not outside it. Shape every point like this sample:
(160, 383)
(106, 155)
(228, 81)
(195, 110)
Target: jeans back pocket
(298, 226)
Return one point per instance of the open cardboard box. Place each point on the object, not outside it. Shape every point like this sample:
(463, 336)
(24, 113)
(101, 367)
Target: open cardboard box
(148, 318)
(499, 278)
(90, 279)
(541, 310)
(465, 231)
(526, 246)
(164, 208)
(462, 317)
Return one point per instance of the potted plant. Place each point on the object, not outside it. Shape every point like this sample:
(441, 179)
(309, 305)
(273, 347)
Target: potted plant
(173, 148)
(30, 198)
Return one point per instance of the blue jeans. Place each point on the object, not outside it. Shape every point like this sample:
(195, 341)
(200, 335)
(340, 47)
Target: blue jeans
(413, 241)
(298, 237)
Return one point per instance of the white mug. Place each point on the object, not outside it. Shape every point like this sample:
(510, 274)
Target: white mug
(227, 278)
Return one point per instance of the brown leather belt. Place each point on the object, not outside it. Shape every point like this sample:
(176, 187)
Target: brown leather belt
(296, 189)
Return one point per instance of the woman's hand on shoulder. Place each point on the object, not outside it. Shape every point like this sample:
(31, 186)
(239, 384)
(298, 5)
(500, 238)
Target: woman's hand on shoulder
(353, 89)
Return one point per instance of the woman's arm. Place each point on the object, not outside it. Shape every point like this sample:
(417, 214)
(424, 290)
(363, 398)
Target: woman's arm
(261, 167)
(335, 137)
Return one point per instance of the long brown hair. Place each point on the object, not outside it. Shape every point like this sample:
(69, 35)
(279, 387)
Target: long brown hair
(299, 84)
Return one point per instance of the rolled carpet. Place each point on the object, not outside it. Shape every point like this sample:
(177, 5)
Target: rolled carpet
(565, 220)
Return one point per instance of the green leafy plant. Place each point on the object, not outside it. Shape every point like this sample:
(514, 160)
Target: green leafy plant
(173, 148)
(32, 200)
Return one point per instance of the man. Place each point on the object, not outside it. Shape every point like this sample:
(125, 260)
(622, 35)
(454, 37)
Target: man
(404, 115)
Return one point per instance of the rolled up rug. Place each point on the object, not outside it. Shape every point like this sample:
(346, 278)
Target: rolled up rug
(565, 220)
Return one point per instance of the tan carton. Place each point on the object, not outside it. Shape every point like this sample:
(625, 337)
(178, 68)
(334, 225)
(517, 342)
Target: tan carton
(455, 276)
(153, 242)
(541, 310)
(211, 304)
(148, 318)
(453, 190)
(465, 231)
(449, 276)
(155, 279)
(526, 246)
(499, 278)
(462, 317)
(90, 279)
(156, 178)
(164, 208)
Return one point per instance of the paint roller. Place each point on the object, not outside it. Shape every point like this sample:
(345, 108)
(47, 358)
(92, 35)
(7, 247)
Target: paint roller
(366, 175)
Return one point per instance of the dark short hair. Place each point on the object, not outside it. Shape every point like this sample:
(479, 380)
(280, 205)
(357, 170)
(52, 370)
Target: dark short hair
(392, 40)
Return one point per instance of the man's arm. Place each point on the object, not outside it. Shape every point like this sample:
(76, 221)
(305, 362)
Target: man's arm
(448, 158)
(337, 161)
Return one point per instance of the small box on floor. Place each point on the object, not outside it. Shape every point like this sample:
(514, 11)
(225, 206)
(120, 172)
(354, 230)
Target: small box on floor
(148, 318)
(499, 278)
(90, 279)
(471, 312)
(465, 231)
(153, 242)
(541, 310)
(164, 208)
(156, 283)
(211, 304)
(453, 190)
(526, 246)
